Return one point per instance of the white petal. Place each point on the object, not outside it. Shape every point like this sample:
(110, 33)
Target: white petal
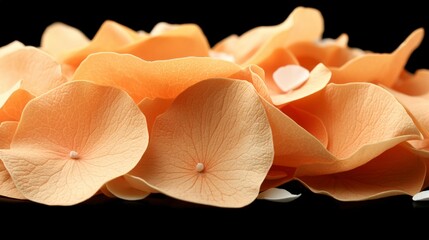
(421, 196)
(290, 77)
(278, 195)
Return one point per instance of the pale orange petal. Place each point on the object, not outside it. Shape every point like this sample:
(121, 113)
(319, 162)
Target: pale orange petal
(7, 187)
(212, 146)
(303, 24)
(278, 58)
(59, 39)
(309, 54)
(182, 41)
(346, 111)
(121, 187)
(110, 37)
(358, 114)
(158, 79)
(415, 85)
(396, 171)
(379, 68)
(72, 140)
(319, 78)
(417, 106)
(152, 108)
(12, 108)
(11, 47)
(309, 122)
(255, 75)
(38, 71)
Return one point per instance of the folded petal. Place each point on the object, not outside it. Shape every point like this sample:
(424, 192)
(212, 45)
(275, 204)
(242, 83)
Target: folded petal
(38, 71)
(183, 41)
(158, 79)
(72, 140)
(394, 172)
(213, 145)
(303, 24)
(7, 186)
(378, 68)
(59, 39)
(319, 78)
(122, 187)
(11, 47)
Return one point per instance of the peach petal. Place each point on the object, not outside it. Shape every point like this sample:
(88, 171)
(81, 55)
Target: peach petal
(364, 104)
(396, 171)
(319, 78)
(12, 108)
(380, 68)
(59, 39)
(7, 187)
(332, 53)
(121, 188)
(182, 41)
(110, 37)
(72, 140)
(303, 24)
(152, 108)
(38, 71)
(339, 107)
(213, 145)
(309, 122)
(415, 85)
(278, 195)
(158, 79)
(11, 47)
(290, 77)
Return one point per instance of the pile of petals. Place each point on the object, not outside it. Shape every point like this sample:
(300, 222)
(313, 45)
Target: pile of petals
(131, 113)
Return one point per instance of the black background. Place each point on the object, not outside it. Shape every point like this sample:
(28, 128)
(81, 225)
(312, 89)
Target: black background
(369, 26)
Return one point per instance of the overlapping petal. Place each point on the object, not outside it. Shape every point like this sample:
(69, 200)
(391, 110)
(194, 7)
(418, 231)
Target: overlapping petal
(72, 140)
(213, 146)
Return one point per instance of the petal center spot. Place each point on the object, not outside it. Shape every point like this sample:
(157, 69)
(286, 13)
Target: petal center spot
(74, 155)
(199, 167)
(290, 77)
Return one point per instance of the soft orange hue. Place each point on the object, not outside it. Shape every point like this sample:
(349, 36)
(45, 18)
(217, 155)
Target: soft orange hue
(362, 121)
(212, 146)
(7, 187)
(394, 172)
(332, 53)
(163, 79)
(181, 41)
(303, 24)
(72, 140)
(11, 47)
(412, 90)
(24, 73)
(379, 68)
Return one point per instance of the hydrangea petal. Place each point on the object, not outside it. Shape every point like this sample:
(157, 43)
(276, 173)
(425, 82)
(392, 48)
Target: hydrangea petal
(59, 39)
(7, 186)
(72, 140)
(11, 47)
(213, 145)
(182, 41)
(38, 71)
(319, 78)
(121, 188)
(158, 79)
(396, 171)
(379, 68)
